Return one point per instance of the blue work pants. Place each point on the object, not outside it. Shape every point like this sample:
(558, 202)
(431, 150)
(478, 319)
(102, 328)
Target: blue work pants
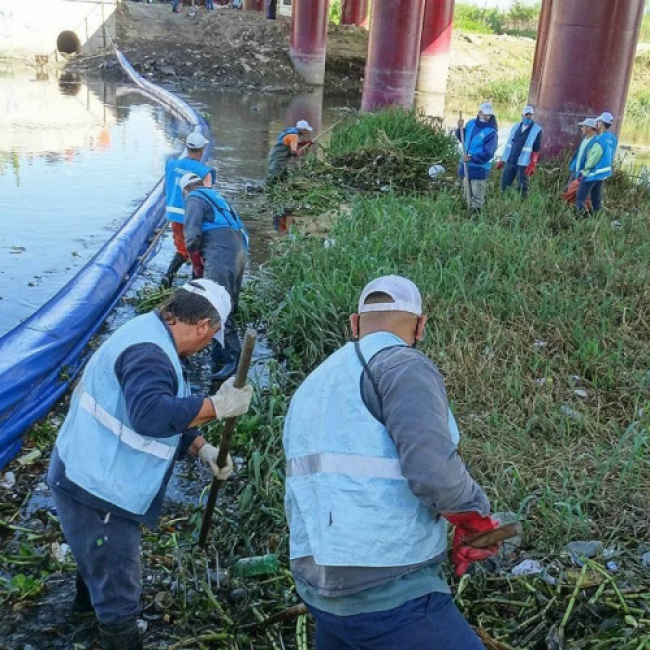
(107, 550)
(510, 172)
(271, 9)
(432, 622)
(175, 6)
(593, 189)
(209, 4)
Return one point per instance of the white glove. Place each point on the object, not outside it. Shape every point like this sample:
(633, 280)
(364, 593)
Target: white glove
(230, 401)
(208, 454)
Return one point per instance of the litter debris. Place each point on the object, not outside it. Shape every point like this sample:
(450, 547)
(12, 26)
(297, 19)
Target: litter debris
(612, 567)
(588, 550)
(565, 409)
(60, 551)
(8, 481)
(527, 568)
(29, 458)
(163, 601)
(256, 566)
(436, 170)
(539, 344)
(580, 393)
(645, 560)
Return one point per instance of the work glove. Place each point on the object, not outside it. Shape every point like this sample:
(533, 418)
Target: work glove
(532, 165)
(500, 164)
(208, 454)
(197, 264)
(230, 401)
(469, 525)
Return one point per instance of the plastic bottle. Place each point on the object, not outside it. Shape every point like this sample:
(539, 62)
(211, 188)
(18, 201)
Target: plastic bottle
(255, 566)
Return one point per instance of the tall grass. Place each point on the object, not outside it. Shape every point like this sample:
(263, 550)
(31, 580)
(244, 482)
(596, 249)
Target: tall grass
(512, 92)
(520, 20)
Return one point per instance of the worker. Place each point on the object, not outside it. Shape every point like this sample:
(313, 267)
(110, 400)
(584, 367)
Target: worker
(217, 242)
(521, 154)
(130, 419)
(603, 153)
(586, 167)
(175, 206)
(291, 142)
(480, 140)
(271, 9)
(176, 6)
(373, 477)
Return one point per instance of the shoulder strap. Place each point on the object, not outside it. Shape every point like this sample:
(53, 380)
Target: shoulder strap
(366, 369)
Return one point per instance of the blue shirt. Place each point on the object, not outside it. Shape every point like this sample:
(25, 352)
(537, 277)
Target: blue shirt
(149, 383)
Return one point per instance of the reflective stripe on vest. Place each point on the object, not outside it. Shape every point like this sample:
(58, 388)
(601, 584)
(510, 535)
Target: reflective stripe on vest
(102, 452)
(475, 144)
(603, 168)
(175, 169)
(344, 480)
(527, 150)
(225, 216)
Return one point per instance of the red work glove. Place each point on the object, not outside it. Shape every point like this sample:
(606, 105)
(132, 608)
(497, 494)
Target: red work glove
(530, 170)
(469, 525)
(197, 263)
(500, 164)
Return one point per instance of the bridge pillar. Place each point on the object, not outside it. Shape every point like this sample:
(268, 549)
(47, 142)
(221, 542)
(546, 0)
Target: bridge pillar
(354, 12)
(435, 46)
(308, 46)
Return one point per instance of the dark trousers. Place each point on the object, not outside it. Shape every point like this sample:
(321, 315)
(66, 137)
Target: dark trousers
(107, 550)
(209, 4)
(271, 8)
(175, 6)
(590, 189)
(432, 622)
(510, 172)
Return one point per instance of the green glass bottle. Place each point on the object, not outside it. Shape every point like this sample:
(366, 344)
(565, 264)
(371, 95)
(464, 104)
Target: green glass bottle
(255, 566)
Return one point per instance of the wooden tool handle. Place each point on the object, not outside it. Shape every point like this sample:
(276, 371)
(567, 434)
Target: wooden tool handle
(228, 430)
(496, 535)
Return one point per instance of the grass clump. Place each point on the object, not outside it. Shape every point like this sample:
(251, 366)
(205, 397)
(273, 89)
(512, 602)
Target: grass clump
(539, 324)
(511, 92)
(520, 20)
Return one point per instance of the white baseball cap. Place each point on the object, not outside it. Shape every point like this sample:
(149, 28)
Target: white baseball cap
(188, 179)
(589, 121)
(528, 110)
(406, 296)
(486, 108)
(606, 117)
(303, 125)
(195, 140)
(217, 296)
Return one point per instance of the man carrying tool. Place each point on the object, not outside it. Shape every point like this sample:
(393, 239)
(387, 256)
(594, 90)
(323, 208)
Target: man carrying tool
(598, 164)
(480, 140)
(175, 205)
(131, 418)
(217, 243)
(521, 154)
(291, 142)
(373, 477)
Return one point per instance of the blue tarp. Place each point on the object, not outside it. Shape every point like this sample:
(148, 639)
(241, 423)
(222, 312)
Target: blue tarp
(40, 357)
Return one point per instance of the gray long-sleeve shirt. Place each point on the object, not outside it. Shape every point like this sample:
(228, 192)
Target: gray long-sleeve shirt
(414, 409)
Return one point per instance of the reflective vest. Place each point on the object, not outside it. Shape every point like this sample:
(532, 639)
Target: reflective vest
(475, 143)
(291, 131)
(101, 451)
(225, 215)
(175, 169)
(346, 500)
(578, 165)
(524, 156)
(603, 168)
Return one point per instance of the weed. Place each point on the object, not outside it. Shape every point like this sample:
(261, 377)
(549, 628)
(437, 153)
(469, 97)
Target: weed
(512, 92)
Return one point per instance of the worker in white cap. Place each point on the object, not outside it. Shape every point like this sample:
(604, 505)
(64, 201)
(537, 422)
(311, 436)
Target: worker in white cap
(217, 243)
(373, 478)
(131, 417)
(480, 140)
(521, 154)
(191, 161)
(589, 167)
(292, 142)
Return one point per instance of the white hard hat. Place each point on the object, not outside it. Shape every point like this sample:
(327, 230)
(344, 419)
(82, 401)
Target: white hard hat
(195, 140)
(528, 110)
(188, 179)
(406, 296)
(486, 108)
(303, 125)
(589, 121)
(217, 296)
(606, 117)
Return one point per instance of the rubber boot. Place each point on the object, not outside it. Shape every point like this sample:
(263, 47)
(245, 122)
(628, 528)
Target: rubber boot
(224, 363)
(81, 603)
(177, 261)
(125, 636)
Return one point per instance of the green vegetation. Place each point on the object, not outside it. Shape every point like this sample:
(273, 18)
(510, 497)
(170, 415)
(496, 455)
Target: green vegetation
(511, 92)
(644, 33)
(520, 20)
(335, 11)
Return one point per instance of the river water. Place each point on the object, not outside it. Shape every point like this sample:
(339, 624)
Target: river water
(78, 156)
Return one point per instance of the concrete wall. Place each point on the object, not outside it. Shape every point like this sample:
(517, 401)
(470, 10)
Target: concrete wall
(30, 27)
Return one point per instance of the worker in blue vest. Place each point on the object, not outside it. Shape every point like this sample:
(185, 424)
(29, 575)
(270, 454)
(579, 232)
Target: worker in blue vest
(373, 477)
(585, 160)
(598, 165)
(217, 242)
(479, 146)
(291, 142)
(131, 417)
(175, 204)
(521, 154)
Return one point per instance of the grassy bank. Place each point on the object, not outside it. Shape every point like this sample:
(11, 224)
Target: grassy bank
(520, 20)
(539, 324)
